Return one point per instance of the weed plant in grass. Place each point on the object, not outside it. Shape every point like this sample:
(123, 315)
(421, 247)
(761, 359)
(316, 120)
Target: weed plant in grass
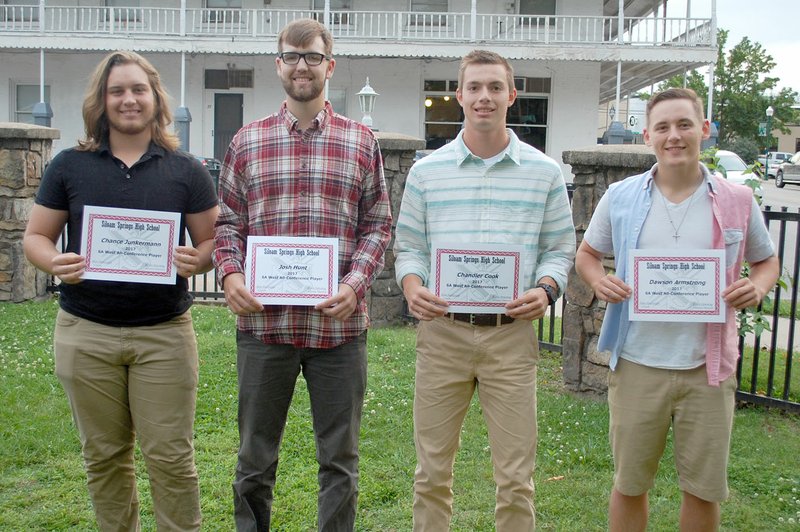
(42, 486)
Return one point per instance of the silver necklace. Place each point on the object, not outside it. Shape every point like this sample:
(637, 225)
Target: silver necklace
(676, 229)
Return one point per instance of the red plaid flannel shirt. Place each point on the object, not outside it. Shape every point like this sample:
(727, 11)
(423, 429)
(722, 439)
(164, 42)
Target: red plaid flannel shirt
(325, 181)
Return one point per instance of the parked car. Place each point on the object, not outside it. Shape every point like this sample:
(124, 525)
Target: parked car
(776, 158)
(788, 171)
(734, 168)
(212, 165)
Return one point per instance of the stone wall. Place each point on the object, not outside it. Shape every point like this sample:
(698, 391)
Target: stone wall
(385, 301)
(24, 151)
(594, 169)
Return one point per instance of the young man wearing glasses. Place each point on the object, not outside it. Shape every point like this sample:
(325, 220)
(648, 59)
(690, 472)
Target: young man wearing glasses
(302, 172)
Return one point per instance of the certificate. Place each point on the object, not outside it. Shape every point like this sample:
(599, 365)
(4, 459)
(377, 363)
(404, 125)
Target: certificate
(479, 278)
(677, 285)
(299, 271)
(132, 245)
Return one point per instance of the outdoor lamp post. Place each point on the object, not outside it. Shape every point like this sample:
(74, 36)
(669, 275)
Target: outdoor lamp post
(366, 101)
(770, 111)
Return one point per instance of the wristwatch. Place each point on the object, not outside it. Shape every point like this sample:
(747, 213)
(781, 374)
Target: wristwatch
(552, 293)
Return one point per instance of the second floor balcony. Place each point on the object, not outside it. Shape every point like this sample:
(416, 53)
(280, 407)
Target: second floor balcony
(187, 29)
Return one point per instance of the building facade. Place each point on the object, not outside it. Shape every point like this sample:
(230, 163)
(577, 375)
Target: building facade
(217, 59)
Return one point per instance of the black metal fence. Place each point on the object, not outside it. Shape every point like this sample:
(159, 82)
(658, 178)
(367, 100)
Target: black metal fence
(766, 371)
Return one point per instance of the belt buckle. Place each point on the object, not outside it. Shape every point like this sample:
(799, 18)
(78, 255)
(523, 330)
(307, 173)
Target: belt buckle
(472, 319)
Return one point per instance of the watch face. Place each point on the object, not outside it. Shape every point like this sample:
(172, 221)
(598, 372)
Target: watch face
(550, 291)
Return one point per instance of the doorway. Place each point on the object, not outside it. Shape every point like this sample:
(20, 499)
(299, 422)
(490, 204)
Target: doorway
(228, 116)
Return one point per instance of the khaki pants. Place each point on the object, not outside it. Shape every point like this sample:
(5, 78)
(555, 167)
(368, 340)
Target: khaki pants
(454, 358)
(124, 382)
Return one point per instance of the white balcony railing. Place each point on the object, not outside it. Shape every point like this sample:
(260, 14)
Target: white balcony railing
(396, 26)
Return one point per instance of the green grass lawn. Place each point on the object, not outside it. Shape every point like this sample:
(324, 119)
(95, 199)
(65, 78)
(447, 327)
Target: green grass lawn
(778, 366)
(42, 485)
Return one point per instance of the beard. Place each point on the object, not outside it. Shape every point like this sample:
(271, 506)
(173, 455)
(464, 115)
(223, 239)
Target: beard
(306, 94)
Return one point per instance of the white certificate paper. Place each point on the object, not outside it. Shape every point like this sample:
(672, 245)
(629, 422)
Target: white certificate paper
(300, 271)
(132, 245)
(681, 286)
(478, 278)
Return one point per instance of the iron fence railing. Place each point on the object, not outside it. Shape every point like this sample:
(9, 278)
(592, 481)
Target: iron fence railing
(766, 368)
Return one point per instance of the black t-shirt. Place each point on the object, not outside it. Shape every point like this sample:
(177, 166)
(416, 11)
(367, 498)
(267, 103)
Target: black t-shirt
(161, 181)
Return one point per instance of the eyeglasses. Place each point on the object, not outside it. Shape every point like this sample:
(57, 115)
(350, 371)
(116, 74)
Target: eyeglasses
(311, 58)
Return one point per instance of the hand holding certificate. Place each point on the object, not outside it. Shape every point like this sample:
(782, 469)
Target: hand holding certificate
(130, 245)
(479, 278)
(292, 270)
(682, 286)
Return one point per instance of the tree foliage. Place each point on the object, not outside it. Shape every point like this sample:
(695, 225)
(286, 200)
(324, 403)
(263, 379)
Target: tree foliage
(742, 91)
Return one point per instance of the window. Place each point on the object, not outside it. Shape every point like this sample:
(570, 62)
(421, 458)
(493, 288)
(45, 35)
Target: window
(429, 6)
(125, 15)
(229, 79)
(224, 11)
(336, 5)
(527, 117)
(537, 7)
(224, 4)
(443, 115)
(338, 99)
(26, 97)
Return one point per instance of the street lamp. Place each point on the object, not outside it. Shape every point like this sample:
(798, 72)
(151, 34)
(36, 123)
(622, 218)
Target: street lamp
(770, 111)
(366, 101)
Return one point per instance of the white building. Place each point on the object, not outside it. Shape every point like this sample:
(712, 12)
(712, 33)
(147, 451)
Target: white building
(217, 58)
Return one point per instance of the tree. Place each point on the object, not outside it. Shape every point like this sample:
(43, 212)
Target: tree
(742, 92)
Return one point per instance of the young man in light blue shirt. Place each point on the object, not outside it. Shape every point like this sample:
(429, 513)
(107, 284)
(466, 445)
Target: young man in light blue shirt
(678, 375)
(484, 187)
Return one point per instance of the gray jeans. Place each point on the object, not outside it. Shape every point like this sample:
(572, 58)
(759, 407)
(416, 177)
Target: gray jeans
(336, 380)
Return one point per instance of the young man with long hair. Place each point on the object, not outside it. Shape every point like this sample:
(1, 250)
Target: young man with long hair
(125, 352)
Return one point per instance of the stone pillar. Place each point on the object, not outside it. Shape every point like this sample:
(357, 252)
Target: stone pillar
(24, 150)
(594, 169)
(386, 303)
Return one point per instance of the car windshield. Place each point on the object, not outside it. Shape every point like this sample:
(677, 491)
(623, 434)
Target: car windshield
(731, 163)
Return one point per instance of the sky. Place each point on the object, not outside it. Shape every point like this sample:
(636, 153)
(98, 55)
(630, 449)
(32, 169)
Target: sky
(772, 23)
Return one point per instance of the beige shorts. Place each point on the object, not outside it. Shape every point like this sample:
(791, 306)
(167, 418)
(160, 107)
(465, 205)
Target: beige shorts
(643, 403)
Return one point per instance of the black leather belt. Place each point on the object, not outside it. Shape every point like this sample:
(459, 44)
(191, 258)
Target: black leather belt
(485, 320)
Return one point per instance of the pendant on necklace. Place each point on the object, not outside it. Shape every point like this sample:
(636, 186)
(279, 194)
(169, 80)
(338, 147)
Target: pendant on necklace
(676, 236)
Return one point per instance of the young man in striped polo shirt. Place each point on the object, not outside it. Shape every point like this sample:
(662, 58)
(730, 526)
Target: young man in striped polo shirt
(486, 186)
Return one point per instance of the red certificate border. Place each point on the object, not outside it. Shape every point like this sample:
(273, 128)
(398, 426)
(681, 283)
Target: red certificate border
(255, 245)
(170, 252)
(717, 274)
(516, 255)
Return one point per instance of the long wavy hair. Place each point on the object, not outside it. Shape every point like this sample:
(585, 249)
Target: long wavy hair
(95, 119)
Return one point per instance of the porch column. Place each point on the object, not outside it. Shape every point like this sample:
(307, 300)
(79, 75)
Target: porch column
(182, 115)
(42, 112)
